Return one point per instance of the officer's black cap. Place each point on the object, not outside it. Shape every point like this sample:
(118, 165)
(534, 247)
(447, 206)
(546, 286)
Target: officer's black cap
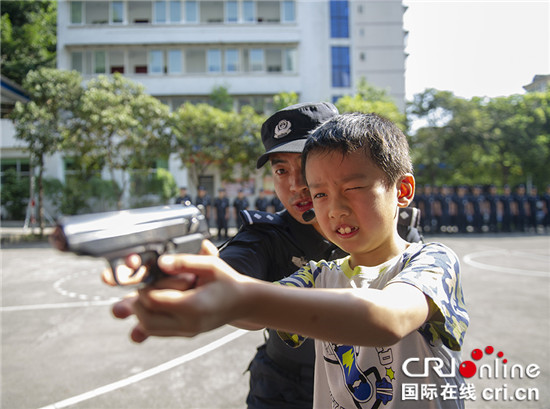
(286, 130)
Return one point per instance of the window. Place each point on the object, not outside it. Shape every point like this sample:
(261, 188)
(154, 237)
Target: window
(274, 60)
(256, 60)
(249, 14)
(76, 61)
(339, 19)
(116, 61)
(290, 62)
(231, 12)
(175, 12)
(195, 61)
(175, 64)
(160, 12)
(191, 12)
(156, 63)
(21, 167)
(117, 12)
(268, 11)
(138, 61)
(340, 67)
(211, 11)
(140, 12)
(99, 62)
(97, 12)
(76, 12)
(289, 12)
(232, 60)
(214, 61)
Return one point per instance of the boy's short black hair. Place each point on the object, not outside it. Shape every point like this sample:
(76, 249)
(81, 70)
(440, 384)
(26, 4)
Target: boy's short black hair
(384, 143)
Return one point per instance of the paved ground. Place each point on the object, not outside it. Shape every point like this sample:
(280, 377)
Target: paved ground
(61, 347)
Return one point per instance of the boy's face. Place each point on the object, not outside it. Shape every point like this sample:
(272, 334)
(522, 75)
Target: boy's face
(355, 207)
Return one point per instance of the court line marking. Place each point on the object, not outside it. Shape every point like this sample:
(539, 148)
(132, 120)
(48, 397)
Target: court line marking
(148, 373)
(59, 305)
(469, 259)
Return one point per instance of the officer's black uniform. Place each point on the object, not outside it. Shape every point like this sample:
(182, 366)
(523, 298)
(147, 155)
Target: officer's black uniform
(270, 247)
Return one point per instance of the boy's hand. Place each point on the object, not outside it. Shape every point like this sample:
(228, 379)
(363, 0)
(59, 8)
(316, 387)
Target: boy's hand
(200, 295)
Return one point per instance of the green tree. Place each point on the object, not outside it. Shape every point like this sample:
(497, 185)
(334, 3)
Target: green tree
(372, 99)
(284, 99)
(221, 99)
(41, 123)
(120, 126)
(504, 140)
(28, 37)
(205, 136)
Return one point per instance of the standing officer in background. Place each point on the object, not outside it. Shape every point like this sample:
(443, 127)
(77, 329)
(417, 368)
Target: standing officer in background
(221, 204)
(261, 202)
(183, 197)
(239, 204)
(203, 200)
(507, 200)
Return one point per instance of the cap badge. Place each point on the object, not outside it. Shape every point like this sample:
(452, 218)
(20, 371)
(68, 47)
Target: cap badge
(282, 129)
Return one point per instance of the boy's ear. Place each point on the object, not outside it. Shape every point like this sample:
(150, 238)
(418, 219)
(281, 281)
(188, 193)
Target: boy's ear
(405, 190)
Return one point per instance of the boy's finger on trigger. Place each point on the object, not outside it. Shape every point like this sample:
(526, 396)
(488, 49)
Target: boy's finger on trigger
(133, 261)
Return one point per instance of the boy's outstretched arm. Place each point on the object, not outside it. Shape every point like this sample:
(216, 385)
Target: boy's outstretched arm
(220, 295)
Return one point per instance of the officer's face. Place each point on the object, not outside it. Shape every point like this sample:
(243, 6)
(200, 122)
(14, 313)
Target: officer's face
(290, 186)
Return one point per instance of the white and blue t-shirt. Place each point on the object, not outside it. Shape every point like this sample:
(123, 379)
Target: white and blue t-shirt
(365, 377)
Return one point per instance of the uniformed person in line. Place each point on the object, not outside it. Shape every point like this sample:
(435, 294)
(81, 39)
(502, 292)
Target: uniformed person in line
(221, 204)
(546, 209)
(506, 200)
(203, 201)
(495, 209)
(478, 206)
(462, 209)
(240, 203)
(534, 206)
(444, 200)
(271, 246)
(261, 202)
(184, 197)
(520, 208)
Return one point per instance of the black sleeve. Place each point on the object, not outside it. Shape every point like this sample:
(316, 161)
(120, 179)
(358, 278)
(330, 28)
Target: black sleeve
(248, 254)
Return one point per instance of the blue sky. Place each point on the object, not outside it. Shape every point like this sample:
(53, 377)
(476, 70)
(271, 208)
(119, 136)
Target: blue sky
(476, 48)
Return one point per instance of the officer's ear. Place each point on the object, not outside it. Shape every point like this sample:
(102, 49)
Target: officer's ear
(405, 190)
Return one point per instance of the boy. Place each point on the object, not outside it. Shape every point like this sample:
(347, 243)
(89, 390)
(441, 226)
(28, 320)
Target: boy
(385, 303)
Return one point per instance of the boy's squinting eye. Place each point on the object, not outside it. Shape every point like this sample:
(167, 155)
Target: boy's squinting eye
(318, 195)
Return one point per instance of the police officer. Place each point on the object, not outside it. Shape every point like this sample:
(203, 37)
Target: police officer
(495, 209)
(184, 197)
(271, 246)
(221, 204)
(462, 209)
(261, 202)
(240, 203)
(506, 200)
(520, 208)
(203, 201)
(534, 205)
(478, 206)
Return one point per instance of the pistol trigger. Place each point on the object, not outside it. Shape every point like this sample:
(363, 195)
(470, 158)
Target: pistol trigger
(113, 266)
